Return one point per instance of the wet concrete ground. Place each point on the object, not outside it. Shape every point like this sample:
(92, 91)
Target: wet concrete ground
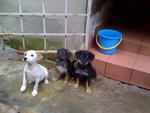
(108, 96)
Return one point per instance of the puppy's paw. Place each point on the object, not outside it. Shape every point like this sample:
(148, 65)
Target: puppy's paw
(65, 82)
(54, 79)
(34, 92)
(46, 81)
(76, 85)
(89, 91)
(23, 88)
(30, 82)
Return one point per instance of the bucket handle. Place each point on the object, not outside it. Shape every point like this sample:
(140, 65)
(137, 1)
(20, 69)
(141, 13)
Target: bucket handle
(100, 46)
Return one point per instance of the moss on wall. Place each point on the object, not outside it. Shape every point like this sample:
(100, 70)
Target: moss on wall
(35, 43)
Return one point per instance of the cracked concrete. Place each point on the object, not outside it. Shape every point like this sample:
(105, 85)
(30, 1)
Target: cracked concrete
(108, 96)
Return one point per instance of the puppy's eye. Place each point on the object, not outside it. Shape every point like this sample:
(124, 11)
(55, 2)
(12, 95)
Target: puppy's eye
(86, 56)
(32, 55)
(25, 54)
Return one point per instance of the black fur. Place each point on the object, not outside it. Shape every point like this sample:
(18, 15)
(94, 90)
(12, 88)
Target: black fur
(64, 63)
(83, 68)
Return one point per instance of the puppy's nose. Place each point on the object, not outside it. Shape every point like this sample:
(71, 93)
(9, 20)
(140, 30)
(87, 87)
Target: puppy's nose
(25, 59)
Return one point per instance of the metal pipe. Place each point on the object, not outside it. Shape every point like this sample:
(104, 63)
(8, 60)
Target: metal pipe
(43, 52)
(42, 34)
(41, 14)
(66, 12)
(21, 24)
(89, 4)
(44, 25)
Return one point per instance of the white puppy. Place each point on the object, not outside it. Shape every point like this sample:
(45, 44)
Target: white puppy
(33, 72)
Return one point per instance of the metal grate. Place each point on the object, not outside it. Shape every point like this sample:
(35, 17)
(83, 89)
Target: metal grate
(43, 15)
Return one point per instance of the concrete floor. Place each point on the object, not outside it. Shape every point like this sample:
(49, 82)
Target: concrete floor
(108, 96)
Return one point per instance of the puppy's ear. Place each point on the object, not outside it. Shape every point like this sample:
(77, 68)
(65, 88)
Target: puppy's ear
(39, 56)
(77, 54)
(69, 53)
(91, 56)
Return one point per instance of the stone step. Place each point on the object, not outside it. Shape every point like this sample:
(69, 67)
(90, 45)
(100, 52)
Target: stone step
(124, 66)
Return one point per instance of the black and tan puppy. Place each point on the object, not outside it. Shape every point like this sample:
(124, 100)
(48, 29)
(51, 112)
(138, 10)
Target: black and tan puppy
(84, 69)
(63, 65)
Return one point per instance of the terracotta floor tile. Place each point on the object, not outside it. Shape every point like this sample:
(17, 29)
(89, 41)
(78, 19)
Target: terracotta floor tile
(99, 63)
(123, 58)
(143, 63)
(141, 72)
(132, 41)
(141, 79)
(130, 46)
(146, 39)
(145, 47)
(118, 72)
(99, 66)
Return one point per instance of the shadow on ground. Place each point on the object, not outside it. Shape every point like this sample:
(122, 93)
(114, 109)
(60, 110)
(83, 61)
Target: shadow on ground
(108, 96)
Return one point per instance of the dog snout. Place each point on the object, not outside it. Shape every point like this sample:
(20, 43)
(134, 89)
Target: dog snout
(25, 59)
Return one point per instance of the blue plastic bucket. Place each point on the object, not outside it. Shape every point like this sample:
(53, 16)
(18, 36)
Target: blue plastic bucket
(108, 40)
